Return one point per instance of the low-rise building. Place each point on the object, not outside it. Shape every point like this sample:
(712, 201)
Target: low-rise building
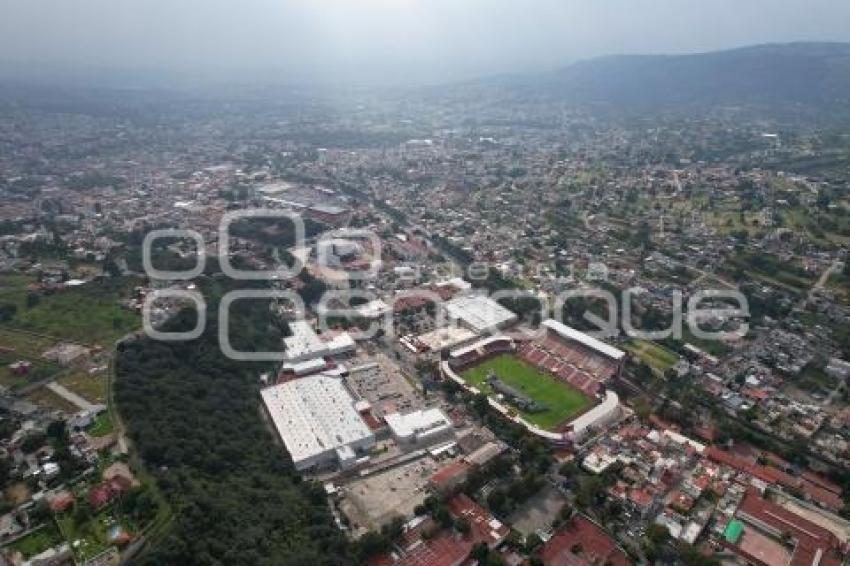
(317, 421)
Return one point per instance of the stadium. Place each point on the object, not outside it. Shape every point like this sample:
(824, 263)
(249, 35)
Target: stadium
(553, 385)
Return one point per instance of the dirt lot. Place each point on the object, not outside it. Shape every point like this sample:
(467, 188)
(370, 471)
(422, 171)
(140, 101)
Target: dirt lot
(763, 547)
(373, 501)
(538, 512)
(17, 493)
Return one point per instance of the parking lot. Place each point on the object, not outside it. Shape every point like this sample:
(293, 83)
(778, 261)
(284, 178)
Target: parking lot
(379, 381)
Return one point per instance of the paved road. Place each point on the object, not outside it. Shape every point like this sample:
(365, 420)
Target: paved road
(677, 181)
(833, 394)
(69, 396)
(836, 265)
(704, 274)
(824, 277)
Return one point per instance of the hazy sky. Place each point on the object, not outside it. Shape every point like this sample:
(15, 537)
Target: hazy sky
(387, 40)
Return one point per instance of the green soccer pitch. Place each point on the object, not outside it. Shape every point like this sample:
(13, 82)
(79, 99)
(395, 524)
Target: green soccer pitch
(562, 400)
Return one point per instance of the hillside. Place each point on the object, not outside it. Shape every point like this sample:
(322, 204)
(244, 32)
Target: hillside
(799, 76)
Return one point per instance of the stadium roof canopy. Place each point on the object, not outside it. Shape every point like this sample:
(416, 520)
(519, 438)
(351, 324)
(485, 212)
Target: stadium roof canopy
(584, 339)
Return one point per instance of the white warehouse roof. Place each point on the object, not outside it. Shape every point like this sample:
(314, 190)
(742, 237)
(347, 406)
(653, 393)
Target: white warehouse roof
(315, 417)
(305, 367)
(479, 313)
(446, 337)
(339, 343)
(373, 309)
(304, 343)
(416, 423)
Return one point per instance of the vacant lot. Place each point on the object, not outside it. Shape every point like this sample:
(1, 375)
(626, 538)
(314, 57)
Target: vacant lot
(21, 346)
(375, 500)
(713, 347)
(47, 398)
(773, 270)
(91, 387)
(839, 284)
(561, 399)
(538, 513)
(655, 356)
(37, 541)
(90, 313)
(102, 425)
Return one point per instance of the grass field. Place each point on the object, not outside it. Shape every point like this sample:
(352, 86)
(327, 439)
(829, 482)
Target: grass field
(22, 346)
(90, 313)
(655, 356)
(90, 387)
(729, 221)
(90, 534)
(840, 285)
(102, 425)
(37, 541)
(47, 398)
(812, 226)
(771, 269)
(562, 400)
(712, 347)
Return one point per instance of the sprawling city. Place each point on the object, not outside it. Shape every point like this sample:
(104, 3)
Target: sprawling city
(592, 316)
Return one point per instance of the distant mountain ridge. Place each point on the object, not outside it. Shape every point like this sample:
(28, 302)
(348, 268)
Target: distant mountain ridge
(807, 83)
(808, 74)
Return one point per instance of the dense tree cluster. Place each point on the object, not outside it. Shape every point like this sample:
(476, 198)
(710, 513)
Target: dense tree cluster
(273, 231)
(193, 416)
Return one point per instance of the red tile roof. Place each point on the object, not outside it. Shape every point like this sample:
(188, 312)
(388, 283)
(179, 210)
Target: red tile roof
(371, 421)
(824, 497)
(660, 423)
(61, 501)
(757, 394)
(581, 542)
(100, 495)
(484, 527)
(410, 302)
(447, 548)
(764, 473)
(445, 292)
(775, 459)
(449, 474)
(810, 540)
(702, 481)
(706, 433)
(821, 481)
(640, 497)
(681, 501)
(814, 491)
